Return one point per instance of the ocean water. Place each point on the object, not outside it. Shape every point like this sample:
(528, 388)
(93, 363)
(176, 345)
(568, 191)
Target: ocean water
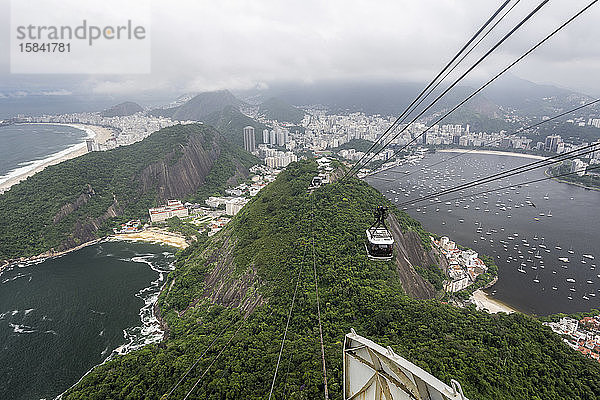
(22, 146)
(61, 317)
(561, 221)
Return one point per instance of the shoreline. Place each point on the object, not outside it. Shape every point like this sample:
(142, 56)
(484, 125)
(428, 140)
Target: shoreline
(484, 302)
(19, 174)
(493, 153)
(568, 182)
(154, 235)
(47, 255)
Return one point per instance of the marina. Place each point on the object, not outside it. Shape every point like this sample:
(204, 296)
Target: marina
(540, 235)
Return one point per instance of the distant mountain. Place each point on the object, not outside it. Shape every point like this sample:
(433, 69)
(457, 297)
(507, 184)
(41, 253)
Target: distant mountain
(200, 106)
(278, 109)
(80, 199)
(122, 109)
(231, 122)
(533, 99)
(486, 110)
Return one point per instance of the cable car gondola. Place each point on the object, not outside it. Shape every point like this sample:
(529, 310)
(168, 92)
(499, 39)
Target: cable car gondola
(380, 243)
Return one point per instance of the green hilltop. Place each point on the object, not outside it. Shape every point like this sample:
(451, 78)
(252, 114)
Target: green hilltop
(200, 106)
(231, 122)
(277, 109)
(235, 289)
(81, 199)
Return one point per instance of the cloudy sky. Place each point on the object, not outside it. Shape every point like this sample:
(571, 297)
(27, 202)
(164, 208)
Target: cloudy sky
(206, 45)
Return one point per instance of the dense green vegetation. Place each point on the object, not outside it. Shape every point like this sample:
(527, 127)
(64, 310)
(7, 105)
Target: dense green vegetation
(122, 109)
(277, 109)
(231, 122)
(190, 231)
(588, 180)
(222, 175)
(568, 131)
(44, 211)
(493, 356)
(200, 106)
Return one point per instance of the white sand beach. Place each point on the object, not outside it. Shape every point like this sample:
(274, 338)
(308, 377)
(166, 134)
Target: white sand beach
(484, 302)
(99, 133)
(154, 235)
(493, 152)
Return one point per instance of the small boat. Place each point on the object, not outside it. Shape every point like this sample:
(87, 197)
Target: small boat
(588, 256)
(536, 280)
(554, 288)
(585, 297)
(571, 280)
(563, 259)
(589, 282)
(570, 251)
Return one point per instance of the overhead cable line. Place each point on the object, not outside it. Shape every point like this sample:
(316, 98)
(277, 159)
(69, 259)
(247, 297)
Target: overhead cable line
(198, 360)
(215, 359)
(514, 133)
(471, 68)
(393, 127)
(287, 325)
(514, 171)
(406, 110)
(318, 305)
(509, 186)
(486, 84)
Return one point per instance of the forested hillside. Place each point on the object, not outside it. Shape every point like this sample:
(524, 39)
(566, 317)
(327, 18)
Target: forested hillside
(200, 106)
(79, 199)
(231, 123)
(236, 289)
(277, 109)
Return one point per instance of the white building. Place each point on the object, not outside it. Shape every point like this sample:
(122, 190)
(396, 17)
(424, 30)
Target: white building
(280, 159)
(469, 258)
(233, 206)
(578, 167)
(457, 285)
(174, 208)
(249, 139)
(215, 202)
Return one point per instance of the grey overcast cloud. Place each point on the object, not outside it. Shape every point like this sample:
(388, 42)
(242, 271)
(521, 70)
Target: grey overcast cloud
(207, 45)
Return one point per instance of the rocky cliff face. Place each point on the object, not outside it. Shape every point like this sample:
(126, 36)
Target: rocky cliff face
(178, 175)
(410, 253)
(223, 286)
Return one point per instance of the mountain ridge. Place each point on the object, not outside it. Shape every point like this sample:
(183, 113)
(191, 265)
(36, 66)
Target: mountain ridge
(77, 200)
(236, 288)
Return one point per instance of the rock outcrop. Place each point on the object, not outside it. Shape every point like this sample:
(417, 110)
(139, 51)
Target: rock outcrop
(410, 253)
